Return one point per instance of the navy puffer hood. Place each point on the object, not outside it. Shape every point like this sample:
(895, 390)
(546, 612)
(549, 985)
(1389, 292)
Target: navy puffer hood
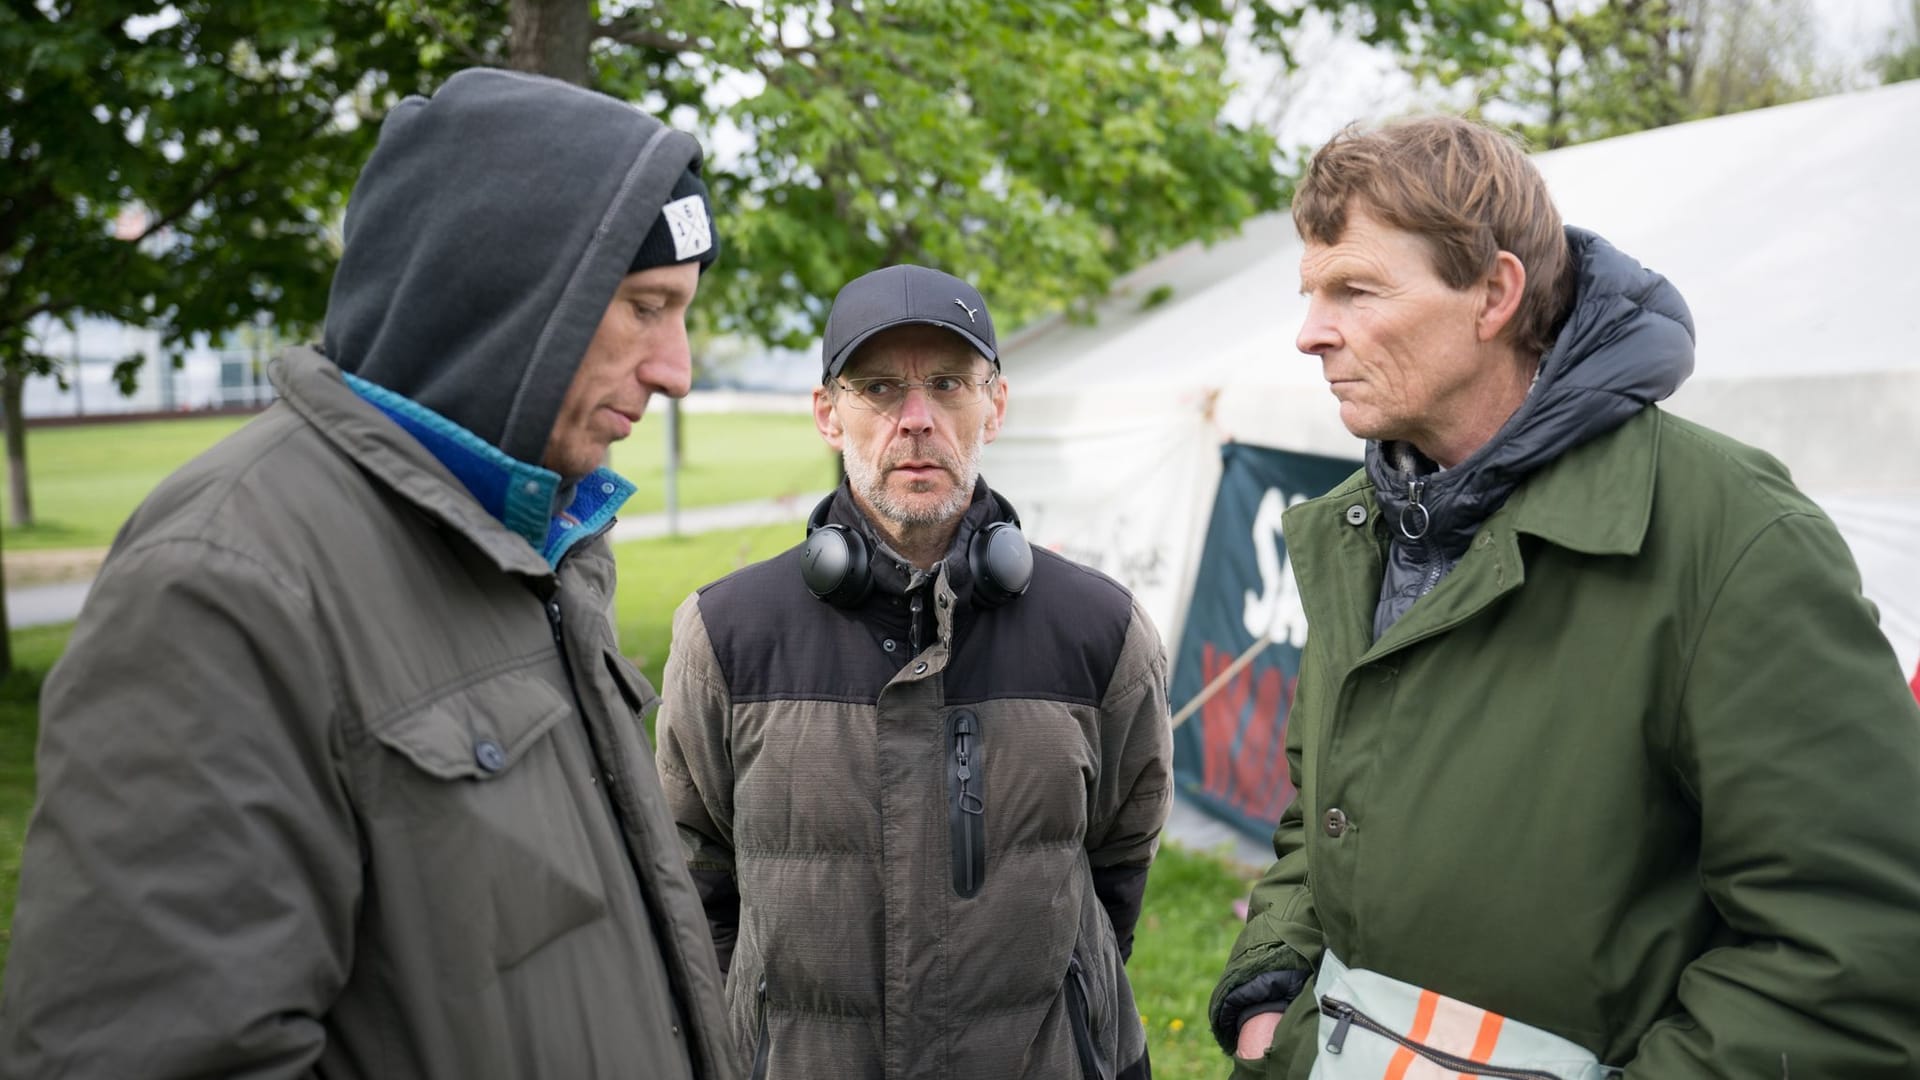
(486, 237)
(1626, 343)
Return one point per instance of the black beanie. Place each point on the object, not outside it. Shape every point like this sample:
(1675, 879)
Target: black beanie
(684, 230)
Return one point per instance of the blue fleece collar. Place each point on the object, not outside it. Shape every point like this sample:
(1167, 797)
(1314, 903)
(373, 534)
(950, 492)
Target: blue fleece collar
(517, 494)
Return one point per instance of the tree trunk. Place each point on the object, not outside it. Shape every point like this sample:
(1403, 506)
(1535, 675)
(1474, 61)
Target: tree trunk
(19, 496)
(679, 431)
(551, 37)
(6, 631)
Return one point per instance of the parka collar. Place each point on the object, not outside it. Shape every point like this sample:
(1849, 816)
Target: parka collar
(1597, 498)
(311, 385)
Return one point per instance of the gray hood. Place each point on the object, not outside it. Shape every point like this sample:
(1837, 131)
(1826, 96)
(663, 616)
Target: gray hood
(1627, 343)
(484, 240)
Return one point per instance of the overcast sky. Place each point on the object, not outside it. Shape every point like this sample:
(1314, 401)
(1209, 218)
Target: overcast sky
(1339, 80)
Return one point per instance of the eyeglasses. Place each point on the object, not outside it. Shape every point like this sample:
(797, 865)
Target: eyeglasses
(886, 393)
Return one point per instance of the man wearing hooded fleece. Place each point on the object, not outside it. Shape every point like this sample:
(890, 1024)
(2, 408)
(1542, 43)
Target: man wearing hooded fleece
(1604, 766)
(342, 773)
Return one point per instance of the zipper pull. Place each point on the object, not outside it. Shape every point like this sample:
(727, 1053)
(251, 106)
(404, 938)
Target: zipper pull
(913, 628)
(1338, 1040)
(553, 618)
(1414, 518)
(963, 732)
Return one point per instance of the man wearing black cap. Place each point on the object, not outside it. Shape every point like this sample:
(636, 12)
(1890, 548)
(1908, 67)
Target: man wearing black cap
(919, 769)
(343, 772)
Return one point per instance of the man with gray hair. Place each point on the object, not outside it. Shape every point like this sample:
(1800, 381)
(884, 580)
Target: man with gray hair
(1605, 768)
(919, 769)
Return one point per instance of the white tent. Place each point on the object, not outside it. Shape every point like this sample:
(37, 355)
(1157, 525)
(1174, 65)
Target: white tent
(1791, 231)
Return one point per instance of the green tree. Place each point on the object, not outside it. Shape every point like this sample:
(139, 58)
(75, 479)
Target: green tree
(1040, 147)
(176, 166)
(1578, 70)
(1900, 60)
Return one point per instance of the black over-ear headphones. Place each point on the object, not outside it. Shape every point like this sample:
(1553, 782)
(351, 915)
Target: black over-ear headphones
(838, 568)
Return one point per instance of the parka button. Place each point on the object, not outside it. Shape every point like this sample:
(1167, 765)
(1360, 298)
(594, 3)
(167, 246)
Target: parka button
(488, 755)
(920, 668)
(1335, 822)
(888, 645)
(1357, 514)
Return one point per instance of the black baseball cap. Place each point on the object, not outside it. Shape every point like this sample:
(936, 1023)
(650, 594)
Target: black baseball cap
(900, 295)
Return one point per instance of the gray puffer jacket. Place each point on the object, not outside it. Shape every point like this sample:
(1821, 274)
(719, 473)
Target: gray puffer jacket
(928, 820)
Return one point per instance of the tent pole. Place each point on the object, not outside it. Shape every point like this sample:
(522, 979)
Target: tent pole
(1220, 680)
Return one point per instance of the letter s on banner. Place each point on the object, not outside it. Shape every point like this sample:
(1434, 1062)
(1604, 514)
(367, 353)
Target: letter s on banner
(1276, 612)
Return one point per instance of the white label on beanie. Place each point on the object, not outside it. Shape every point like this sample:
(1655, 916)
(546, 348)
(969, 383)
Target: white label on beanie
(692, 233)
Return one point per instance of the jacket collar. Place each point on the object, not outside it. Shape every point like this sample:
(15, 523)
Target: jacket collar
(522, 496)
(1597, 498)
(375, 440)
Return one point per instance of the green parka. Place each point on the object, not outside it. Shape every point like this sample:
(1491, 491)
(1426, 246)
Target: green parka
(1640, 771)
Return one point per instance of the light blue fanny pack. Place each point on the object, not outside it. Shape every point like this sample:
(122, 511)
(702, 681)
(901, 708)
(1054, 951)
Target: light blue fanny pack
(1376, 1028)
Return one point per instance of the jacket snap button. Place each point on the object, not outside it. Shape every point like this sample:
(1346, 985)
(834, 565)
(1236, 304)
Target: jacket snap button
(920, 668)
(888, 645)
(1356, 514)
(1335, 822)
(489, 756)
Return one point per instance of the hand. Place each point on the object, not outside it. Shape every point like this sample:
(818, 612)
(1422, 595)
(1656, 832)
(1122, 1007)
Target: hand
(1256, 1036)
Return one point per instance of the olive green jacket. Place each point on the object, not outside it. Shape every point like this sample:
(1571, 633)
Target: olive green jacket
(339, 778)
(1641, 771)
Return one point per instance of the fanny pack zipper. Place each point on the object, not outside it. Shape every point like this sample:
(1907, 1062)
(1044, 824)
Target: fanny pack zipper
(1347, 1016)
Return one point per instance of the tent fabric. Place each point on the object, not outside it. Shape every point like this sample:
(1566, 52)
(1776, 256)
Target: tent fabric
(1789, 231)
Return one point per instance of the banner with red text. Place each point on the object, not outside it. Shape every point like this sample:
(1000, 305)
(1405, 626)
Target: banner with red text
(1230, 756)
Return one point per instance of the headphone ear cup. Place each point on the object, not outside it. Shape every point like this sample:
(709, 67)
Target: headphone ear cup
(835, 565)
(1001, 562)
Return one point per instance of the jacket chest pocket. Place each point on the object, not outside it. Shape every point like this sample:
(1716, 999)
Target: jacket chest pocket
(481, 849)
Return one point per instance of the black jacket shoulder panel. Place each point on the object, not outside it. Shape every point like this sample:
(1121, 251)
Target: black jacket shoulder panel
(774, 641)
(1060, 641)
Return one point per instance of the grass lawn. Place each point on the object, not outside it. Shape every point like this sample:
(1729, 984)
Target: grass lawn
(1186, 927)
(86, 480)
(1185, 930)
(34, 651)
(655, 575)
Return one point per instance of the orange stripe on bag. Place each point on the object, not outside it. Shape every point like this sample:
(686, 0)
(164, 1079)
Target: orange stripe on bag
(1422, 1021)
(1489, 1038)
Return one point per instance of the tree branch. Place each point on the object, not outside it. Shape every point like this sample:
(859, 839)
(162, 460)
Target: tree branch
(628, 30)
(465, 48)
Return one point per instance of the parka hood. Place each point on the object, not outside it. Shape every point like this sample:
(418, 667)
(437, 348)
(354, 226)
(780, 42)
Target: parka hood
(484, 240)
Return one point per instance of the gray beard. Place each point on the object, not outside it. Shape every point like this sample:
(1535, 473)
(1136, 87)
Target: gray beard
(868, 479)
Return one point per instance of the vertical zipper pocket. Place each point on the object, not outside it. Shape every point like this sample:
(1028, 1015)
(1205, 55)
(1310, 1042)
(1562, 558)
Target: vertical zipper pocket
(1080, 1019)
(966, 803)
(760, 1047)
(1345, 1016)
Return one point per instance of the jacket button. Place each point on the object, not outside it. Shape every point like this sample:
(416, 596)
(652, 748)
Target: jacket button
(1356, 514)
(1335, 822)
(488, 755)
(920, 668)
(888, 645)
